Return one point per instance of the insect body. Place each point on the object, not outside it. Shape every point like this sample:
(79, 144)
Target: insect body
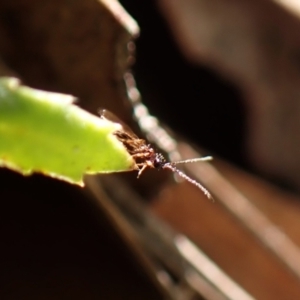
(146, 157)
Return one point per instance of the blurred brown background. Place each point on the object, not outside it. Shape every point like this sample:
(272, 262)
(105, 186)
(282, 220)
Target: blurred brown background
(224, 75)
(228, 77)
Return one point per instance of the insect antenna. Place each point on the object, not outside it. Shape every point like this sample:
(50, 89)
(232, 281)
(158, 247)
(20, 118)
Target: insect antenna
(171, 167)
(192, 160)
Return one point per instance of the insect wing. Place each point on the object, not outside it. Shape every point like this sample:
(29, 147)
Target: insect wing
(108, 115)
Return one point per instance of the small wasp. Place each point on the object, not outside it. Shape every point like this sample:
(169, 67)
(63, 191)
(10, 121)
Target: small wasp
(146, 157)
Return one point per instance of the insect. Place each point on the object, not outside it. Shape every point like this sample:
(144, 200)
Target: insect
(146, 157)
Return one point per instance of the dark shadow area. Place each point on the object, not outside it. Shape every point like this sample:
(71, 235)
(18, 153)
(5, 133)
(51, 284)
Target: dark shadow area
(193, 100)
(55, 244)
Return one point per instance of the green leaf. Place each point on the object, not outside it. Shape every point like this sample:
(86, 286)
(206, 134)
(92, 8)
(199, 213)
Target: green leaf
(44, 132)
